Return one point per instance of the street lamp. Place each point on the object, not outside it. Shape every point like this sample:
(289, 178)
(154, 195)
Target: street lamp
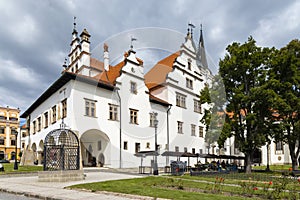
(155, 171)
(16, 142)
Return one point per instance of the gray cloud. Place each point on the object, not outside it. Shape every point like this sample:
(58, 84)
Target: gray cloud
(35, 35)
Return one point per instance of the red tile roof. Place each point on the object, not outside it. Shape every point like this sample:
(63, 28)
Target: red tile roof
(97, 64)
(158, 100)
(158, 74)
(114, 71)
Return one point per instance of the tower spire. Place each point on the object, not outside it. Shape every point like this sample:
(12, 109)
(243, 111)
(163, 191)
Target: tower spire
(201, 55)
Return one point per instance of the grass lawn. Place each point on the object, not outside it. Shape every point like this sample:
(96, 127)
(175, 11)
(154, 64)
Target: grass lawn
(232, 186)
(9, 168)
(273, 167)
(162, 187)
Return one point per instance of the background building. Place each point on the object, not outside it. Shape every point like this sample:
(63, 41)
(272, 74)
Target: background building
(9, 129)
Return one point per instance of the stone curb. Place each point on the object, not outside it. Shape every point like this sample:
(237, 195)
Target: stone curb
(28, 194)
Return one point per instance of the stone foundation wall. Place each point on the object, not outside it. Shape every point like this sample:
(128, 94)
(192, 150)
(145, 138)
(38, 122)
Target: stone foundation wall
(60, 176)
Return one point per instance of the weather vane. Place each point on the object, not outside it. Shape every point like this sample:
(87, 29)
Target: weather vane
(190, 27)
(74, 22)
(131, 42)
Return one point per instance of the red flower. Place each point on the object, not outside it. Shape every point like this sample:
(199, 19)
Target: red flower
(270, 183)
(255, 188)
(299, 179)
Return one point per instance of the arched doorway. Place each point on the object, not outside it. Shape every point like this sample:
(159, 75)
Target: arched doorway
(40, 152)
(33, 147)
(95, 148)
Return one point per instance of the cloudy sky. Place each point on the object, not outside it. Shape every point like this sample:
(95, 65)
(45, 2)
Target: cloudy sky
(35, 34)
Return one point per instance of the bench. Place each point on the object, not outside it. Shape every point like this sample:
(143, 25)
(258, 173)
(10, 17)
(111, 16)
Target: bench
(142, 169)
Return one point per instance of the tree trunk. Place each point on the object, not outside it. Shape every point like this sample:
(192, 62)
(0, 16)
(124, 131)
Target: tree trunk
(294, 163)
(248, 163)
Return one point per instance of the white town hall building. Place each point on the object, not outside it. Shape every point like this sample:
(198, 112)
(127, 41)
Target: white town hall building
(112, 109)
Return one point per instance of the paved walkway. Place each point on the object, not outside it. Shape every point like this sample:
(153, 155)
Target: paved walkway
(28, 185)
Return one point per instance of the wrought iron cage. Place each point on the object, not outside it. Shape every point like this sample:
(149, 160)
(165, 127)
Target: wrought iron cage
(61, 150)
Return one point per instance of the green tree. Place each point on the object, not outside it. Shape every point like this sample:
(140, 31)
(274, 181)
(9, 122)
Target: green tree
(243, 70)
(213, 95)
(284, 75)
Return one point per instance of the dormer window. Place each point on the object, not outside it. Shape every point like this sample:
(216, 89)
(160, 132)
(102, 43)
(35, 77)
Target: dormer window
(133, 88)
(189, 83)
(189, 64)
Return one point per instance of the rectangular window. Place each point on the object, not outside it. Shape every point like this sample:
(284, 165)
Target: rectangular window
(34, 127)
(12, 142)
(189, 83)
(180, 100)
(279, 147)
(23, 145)
(133, 88)
(133, 116)
(137, 147)
(46, 119)
(189, 64)
(193, 129)
(125, 145)
(193, 151)
(236, 146)
(53, 114)
(185, 149)
(1, 141)
(2, 130)
(113, 112)
(13, 131)
(200, 151)
(180, 127)
(39, 124)
(13, 119)
(152, 119)
(197, 106)
(176, 149)
(64, 108)
(201, 131)
(90, 108)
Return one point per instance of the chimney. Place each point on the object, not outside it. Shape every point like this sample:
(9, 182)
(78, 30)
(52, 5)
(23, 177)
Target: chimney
(106, 57)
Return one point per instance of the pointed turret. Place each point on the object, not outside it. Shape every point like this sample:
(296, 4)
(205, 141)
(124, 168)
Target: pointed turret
(201, 55)
(105, 57)
(189, 47)
(85, 55)
(75, 50)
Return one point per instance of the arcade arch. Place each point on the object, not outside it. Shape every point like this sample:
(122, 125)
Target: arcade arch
(95, 148)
